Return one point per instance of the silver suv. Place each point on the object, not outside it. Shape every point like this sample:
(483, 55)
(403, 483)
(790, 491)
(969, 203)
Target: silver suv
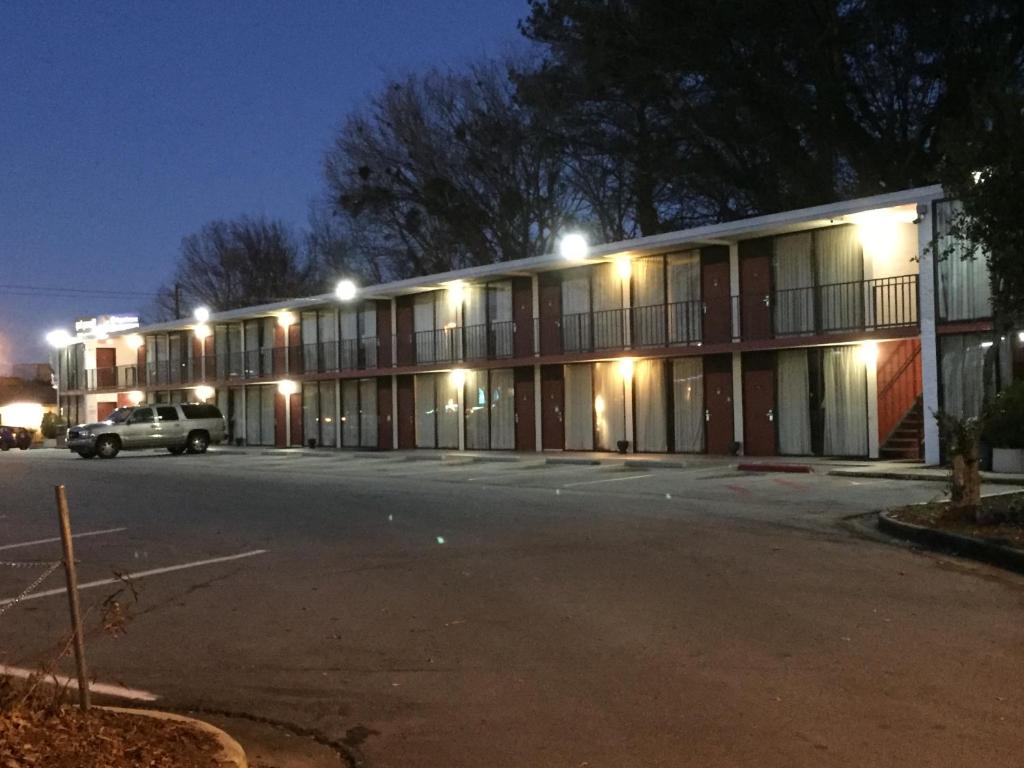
(180, 427)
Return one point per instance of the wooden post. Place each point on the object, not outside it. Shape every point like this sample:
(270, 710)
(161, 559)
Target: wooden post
(72, 584)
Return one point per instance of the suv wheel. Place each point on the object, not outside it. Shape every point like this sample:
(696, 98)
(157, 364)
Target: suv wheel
(198, 442)
(107, 447)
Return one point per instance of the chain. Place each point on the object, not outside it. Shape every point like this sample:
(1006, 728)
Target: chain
(7, 606)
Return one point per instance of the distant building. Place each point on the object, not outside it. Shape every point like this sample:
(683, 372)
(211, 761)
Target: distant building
(25, 398)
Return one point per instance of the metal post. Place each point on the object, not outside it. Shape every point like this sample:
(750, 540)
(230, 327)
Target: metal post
(72, 584)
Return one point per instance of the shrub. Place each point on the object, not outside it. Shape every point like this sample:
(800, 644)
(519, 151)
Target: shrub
(1004, 424)
(49, 426)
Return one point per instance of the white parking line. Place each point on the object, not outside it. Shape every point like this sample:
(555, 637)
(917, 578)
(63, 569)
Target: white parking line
(50, 541)
(69, 682)
(606, 480)
(137, 575)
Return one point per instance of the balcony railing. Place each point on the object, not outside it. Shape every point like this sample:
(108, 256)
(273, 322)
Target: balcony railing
(173, 373)
(334, 356)
(115, 377)
(860, 305)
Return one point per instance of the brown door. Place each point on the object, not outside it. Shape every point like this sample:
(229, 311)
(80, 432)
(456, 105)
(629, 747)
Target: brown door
(718, 403)
(552, 390)
(384, 416)
(280, 438)
(296, 419)
(715, 291)
(104, 409)
(759, 404)
(756, 288)
(526, 439)
(106, 367)
(406, 412)
(384, 343)
(522, 315)
(550, 293)
(403, 331)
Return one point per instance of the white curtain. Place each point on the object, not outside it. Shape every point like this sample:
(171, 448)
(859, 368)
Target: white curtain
(328, 413)
(368, 335)
(684, 297)
(477, 411)
(423, 327)
(608, 319)
(651, 398)
(846, 417)
(474, 321)
(962, 359)
(579, 409)
(310, 345)
(236, 365)
(688, 404)
(349, 339)
(576, 312)
(448, 339)
(426, 425)
(252, 416)
(609, 406)
(840, 269)
(793, 397)
(268, 394)
(794, 284)
(964, 289)
(449, 420)
(368, 413)
(311, 411)
(648, 314)
(350, 413)
(503, 409)
(328, 322)
(269, 338)
(499, 310)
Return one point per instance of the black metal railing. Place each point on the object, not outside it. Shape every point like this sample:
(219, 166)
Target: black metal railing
(589, 331)
(443, 345)
(858, 305)
(113, 377)
(166, 372)
(488, 341)
(660, 324)
(333, 356)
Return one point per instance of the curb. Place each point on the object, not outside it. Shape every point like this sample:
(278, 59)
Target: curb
(768, 467)
(231, 753)
(986, 477)
(964, 546)
(571, 460)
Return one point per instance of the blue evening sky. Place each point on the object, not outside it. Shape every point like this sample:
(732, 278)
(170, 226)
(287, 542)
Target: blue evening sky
(125, 126)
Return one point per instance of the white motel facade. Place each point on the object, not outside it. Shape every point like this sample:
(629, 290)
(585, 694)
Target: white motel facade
(832, 331)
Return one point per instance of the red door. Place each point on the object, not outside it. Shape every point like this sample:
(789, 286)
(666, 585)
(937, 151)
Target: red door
(403, 331)
(759, 404)
(552, 390)
(526, 439)
(384, 345)
(296, 419)
(550, 294)
(718, 403)
(280, 438)
(522, 315)
(106, 368)
(406, 412)
(384, 416)
(756, 288)
(715, 291)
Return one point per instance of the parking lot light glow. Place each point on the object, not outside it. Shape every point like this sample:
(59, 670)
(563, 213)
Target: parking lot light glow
(204, 392)
(201, 314)
(346, 290)
(287, 387)
(58, 338)
(573, 247)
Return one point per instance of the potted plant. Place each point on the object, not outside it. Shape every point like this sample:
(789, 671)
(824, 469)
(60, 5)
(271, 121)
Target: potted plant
(1004, 429)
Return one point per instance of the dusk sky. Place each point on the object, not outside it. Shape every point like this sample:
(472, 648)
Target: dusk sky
(124, 127)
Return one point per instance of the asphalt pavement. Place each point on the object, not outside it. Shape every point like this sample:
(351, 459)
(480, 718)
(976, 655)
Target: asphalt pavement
(452, 612)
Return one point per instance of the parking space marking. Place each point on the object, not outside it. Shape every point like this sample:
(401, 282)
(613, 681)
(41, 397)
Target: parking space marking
(69, 682)
(51, 541)
(137, 575)
(606, 480)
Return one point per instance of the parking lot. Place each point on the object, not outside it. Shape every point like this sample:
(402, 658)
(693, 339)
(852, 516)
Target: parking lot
(422, 610)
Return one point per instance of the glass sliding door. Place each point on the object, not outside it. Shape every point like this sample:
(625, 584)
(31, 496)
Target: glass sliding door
(350, 413)
(579, 408)
(608, 317)
(426, 410)
(649, 315)
(311, 412)
(449, 419)
(845, 401)
(328, 413)
(685, 309)
(368, 413)
(688, 404)
(503, 409)
(650, 421)
(478, 415)
(793, 277)
(962, 363)
(609, 406)
(963, 276)
(576, 329)
(793, 394)
(840, 262)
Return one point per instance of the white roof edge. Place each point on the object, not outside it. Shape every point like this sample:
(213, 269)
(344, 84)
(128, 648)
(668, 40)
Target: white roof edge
(677, 239)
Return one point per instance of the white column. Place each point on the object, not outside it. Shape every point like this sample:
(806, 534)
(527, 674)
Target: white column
(461, 399)
(394, 410)
(394, 349)
(737, 398)
(337, 414)
(929, 340)
(734, 288)
(538, 410)
(287, 420)
(627, 387)
(535, 294)
(871, 369)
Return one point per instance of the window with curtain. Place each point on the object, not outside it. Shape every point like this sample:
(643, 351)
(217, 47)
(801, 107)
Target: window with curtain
(609, 405)
(962, 363)
(503, 409)
(327, 321)
(793, 388)
(449, 420)
(651, 397)
(368, 413)
(426, 417)
(350, 413)
(236, 366)
(607, 291)
(310, 344)
(688, 404)
(268, 398)
(220, 351)
(311, 411)
(576, 311)
(477, 411)
(840, 263)
(267, 340)
(793, 276)
(349, 327)
(236, 413)
(845, 402)
(499, 313)
(579, 408)
(649, 316)
(368, 335)
(686, 311)
(328, 413)
(252, 416)
(474, 321)
(964, 289)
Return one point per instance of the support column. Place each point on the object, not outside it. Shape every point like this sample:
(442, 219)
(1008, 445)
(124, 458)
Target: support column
(926, 312)
(871, 369)
(287, 419)
(734, 288)
(627, 387)
(338, 423)
(737, 399)
(394, 403)
(535, 331)
(394, 346)
(538, 409)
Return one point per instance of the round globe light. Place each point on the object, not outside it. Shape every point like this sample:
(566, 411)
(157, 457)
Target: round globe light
(573, 247)
(58, 338)
(201, 314)
(346, 290)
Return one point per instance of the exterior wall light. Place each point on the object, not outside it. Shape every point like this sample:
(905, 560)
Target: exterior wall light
(134, 340)
(287, 387)
(345, 290)
(456, 293)
(626, 368)
(201, 331)
(623, 267)
(285, 319)
(201, 314)
(868, 352)
(1020, 336)
(458, 378)
(135, 397)
(205, 393)
(59, 338)
(573, 247)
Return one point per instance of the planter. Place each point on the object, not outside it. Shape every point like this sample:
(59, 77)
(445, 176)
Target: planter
(1008, 460)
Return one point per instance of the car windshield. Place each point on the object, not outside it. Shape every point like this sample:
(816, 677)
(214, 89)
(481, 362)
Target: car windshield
(120, 415)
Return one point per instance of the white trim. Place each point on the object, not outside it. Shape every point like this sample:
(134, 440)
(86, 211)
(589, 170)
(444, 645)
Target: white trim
(538, 411)
(929, 339)
(737, 400)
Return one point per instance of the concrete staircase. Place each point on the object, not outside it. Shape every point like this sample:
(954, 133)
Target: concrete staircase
(904, 442)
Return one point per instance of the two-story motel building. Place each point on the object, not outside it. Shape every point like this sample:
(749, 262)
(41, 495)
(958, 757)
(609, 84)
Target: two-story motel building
(833, 331)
